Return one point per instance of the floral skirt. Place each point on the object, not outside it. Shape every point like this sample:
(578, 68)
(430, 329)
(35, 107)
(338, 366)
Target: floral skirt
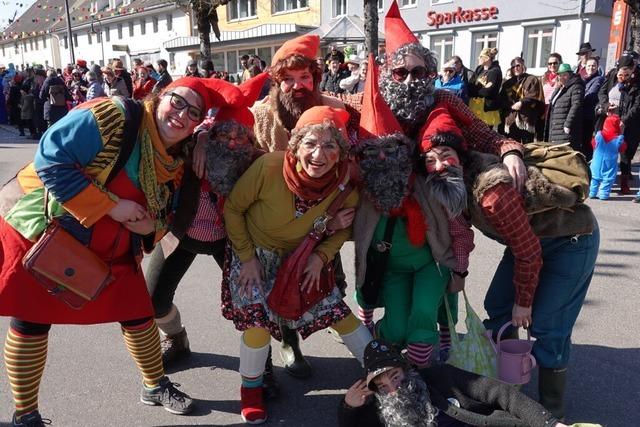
(253, 311)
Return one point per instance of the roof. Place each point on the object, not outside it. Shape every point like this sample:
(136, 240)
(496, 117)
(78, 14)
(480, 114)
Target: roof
(348, 28)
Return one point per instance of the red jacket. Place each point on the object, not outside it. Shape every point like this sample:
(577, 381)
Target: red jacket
(140, 90)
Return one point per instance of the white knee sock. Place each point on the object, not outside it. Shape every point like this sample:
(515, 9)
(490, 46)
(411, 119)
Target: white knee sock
(171, 324)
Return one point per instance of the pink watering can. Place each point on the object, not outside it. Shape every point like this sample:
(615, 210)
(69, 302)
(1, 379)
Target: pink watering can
(514, 358)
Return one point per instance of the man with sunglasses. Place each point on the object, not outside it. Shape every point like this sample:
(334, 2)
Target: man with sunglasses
(406, 84)
(452, 81)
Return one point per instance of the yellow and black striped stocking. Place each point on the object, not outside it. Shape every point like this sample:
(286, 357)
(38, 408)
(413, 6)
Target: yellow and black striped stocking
(143, 343)
(24, 358)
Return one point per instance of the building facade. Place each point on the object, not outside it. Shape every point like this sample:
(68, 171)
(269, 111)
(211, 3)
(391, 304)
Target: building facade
(528, 28)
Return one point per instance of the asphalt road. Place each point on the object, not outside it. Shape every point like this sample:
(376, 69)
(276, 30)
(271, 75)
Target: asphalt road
(91, 380)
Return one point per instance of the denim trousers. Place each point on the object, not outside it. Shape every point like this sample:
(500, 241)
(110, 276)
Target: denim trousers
(567, 269)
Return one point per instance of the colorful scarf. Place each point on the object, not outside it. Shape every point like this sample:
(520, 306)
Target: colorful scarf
(307, 188)
(157, 168)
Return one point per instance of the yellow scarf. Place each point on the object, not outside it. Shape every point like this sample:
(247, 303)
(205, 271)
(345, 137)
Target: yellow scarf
(157, 168)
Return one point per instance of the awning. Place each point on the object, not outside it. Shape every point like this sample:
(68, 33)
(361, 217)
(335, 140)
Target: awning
(348, 28)
(249, 36)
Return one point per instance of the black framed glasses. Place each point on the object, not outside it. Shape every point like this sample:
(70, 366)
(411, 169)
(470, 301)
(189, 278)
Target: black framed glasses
(400, 74)
(179, 103)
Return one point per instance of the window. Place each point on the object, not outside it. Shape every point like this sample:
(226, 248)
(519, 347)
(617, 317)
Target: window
(44, 42)
(169, 22)
(131, 29)
(143, 26)
(172, 60)
(483, 41)
(3, 54)
(218, 61)
(232, 61)
(238, 9)
(75, 39)
(89, 37)
(442, 46)
(66, 42)
(287, 5)
(437, 2)
(99, 36)
(265, 54)
(537, 46)
(37, 43)
(339, 7)
(380, 4)
(31, 44)
(154, 20)
(107, 34)
(119, 31)
(406, 3)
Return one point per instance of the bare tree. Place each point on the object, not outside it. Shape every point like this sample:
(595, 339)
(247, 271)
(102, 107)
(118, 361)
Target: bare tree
(634, 25)
(206, 17)
(371, 26)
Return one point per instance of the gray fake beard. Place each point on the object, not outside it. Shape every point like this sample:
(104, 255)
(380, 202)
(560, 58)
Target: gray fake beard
(226, 165)
(386, 182)
(410, 103)
(409, 406)
(449, 190)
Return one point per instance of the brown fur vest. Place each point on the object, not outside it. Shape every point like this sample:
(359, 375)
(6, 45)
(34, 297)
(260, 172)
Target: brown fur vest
(553, 210)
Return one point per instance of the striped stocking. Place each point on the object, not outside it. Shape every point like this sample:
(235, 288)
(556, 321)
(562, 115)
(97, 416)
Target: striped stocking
(143, 343)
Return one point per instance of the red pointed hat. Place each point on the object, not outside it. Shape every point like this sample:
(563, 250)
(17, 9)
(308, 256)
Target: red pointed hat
(321, 114)
(214, 92)
(376, 118)
(396, 32)
(250, 90)
(439, 121)
(306, 45)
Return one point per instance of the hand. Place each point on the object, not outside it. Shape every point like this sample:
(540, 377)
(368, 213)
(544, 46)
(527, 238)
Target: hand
(566, 130)
(142, 226)
(251, 274)
(312, 273)
(521, 316)
(357, 394)
(127, 211)
(516, 106)
(456, 284)
(342, 220)
(517, 170)
(199, 161)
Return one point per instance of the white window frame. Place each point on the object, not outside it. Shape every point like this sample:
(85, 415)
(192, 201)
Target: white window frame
(538, 32)
(252, 14)
(169, 19)
(406, 4)
(334, 8)
(439, 2)
(442, 46)
(298, 7)
(475, 49)
(155, 23)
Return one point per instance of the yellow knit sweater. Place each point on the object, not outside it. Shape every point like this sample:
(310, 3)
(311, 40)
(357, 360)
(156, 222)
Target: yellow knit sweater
(260, 212)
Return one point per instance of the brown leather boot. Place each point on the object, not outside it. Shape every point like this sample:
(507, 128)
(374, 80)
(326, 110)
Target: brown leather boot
(624, 185)
(174, 348)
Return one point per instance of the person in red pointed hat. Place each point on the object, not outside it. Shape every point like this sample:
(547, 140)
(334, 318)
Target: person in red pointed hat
(406, 83)
(295, 80)
(278, 201)
(410, 277)
(116, 199)
(227, 147)
(532, 286)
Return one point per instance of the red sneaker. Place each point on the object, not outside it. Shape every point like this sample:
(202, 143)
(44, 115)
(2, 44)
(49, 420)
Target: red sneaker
(252, 405)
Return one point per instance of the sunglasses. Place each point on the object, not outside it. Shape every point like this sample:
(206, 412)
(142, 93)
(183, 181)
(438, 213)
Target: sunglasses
(553, 63)
(516, 66)
(179, 103)
(400, 74)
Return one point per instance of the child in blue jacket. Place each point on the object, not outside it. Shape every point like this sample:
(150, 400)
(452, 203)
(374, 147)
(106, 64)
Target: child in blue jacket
(607, 143)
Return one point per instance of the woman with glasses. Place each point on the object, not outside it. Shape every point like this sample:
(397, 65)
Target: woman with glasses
(279, 200)
(144, 83)
(549, 81)
(452, 81)
(484, 87)
(522, 103)
(109, 169)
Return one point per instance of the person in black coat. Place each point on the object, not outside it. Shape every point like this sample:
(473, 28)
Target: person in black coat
(53, 113)
(485, 85)
(331, 79)
(592, 83)
(395, 394)
(565, 117)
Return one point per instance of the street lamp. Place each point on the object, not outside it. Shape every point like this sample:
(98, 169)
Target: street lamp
(93, 31)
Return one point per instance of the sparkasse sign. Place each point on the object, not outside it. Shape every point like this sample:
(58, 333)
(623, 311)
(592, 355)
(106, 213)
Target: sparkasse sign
(461, 16)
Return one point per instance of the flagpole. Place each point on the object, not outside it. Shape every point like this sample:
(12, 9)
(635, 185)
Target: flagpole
(69, 35)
